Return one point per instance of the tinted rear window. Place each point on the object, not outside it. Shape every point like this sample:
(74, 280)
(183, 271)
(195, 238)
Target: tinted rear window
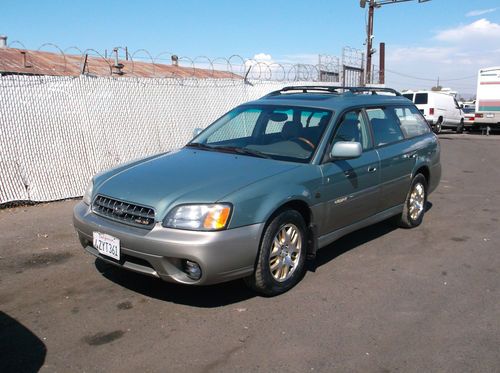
(421, 99)
(409, 96)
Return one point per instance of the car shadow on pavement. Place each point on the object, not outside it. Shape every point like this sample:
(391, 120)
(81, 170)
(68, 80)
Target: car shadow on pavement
(355, 239)
(351, 241)
(197, 296)
(20, 349)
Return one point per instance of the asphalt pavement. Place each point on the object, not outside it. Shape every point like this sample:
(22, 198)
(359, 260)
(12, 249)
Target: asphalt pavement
(382, 299)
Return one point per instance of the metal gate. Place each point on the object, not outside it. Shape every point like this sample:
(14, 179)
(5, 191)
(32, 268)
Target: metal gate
(353, 71)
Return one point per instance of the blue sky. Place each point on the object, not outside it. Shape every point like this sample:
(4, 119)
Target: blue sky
(446, 38)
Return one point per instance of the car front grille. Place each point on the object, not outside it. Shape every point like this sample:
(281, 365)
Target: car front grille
(125, 212)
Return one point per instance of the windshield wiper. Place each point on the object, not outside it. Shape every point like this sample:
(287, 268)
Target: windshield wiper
(199, 145)
(244, 151)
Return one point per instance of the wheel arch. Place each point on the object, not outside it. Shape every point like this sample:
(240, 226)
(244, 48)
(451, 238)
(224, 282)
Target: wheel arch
(424, 170)
(303, 208)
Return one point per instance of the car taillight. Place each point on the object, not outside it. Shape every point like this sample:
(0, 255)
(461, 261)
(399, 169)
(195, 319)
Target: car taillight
(431, 111)
(471, 119)
(478, 115)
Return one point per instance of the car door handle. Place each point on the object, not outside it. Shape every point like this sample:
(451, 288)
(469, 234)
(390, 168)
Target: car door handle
(372, 169)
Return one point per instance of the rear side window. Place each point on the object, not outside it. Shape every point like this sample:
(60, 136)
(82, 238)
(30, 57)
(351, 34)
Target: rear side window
(409, 96)
(421, 98)
(385, 126)
(411, 121)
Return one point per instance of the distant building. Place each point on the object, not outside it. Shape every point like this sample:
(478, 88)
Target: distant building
(30, 62)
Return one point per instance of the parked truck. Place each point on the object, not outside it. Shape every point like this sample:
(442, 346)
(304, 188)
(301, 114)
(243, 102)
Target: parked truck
(488, 98)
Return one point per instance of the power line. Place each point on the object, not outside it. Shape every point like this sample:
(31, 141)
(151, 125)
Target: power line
(428, 79)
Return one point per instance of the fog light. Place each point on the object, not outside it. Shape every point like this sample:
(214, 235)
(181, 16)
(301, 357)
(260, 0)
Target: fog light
(192, 269)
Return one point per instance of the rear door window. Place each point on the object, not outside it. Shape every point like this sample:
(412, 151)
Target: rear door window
(385, 126)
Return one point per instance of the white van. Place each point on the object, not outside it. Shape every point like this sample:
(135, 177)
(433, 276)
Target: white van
(488, 97)
(441, 110)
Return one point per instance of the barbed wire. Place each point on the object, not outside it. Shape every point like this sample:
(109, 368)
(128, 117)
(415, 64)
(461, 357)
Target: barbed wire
(141, 63)
(353, 57)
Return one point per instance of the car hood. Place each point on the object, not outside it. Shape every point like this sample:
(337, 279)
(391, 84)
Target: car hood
(186, 176)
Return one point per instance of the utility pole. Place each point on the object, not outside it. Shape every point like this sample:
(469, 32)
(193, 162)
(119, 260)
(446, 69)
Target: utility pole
(369, 29)
(381, 64)
(369, 39)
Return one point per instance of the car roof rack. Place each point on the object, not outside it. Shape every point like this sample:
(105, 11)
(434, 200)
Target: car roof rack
(332, 89)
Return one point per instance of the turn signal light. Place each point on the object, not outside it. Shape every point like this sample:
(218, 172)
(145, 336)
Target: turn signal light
(217, 218)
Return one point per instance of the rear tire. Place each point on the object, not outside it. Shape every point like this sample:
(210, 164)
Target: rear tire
(282, 255)
(416, 200)
(438, 126)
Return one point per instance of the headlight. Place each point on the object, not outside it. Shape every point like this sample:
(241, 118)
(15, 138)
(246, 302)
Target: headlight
(199, 217)
(88, 193)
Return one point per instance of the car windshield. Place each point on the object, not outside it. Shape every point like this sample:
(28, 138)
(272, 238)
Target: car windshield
(279, 132)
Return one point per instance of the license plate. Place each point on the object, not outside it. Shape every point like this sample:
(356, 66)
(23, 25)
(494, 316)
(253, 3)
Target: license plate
(107, 245)
(490, 115)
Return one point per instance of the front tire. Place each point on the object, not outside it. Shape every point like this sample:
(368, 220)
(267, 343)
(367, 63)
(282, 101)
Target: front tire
(281, 259)
(416, 200)
(460, 127)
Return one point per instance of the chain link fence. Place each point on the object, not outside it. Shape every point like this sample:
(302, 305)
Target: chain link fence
(56, 132)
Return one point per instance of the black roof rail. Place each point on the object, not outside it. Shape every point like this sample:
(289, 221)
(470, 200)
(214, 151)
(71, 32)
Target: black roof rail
(304, 89)
(373, 90)
(332, 89)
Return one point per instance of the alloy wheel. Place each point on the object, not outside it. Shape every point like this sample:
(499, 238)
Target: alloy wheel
(285, 253)
(417, 201)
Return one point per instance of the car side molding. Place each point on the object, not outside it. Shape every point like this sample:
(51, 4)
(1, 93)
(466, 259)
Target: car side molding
(335, 235)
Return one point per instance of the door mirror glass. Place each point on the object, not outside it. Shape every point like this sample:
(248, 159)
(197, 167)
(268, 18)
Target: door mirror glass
(346, 150)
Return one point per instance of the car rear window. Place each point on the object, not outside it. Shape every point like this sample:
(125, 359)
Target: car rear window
(409, 96)
(421, 99)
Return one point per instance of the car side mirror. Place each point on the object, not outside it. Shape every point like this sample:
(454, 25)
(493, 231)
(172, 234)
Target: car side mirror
(197, 131)
(346, 150)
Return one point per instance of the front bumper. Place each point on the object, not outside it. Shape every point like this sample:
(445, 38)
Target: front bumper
(223, 255)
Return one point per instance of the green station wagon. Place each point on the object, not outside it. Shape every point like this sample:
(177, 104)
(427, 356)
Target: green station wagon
(264, 187)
